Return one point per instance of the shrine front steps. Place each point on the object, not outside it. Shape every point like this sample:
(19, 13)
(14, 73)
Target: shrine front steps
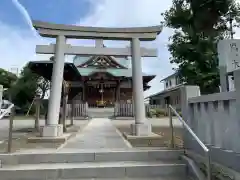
(98, 155)
(133, 163)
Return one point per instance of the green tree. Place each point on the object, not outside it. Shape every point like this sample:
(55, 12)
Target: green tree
(26, 87)
(7, 78)
(199, 25)
(43, 86)
(24, 90)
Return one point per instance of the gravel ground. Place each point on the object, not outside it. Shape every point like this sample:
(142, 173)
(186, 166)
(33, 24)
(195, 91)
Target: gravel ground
(24, 129)
(159, 126)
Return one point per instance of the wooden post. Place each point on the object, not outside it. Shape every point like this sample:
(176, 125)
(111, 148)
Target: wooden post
(83, 93)
(86, 110)
(72, 112)
(171, 127)
(64, 112)
(37, 113)
(117, 92)
(9, 149)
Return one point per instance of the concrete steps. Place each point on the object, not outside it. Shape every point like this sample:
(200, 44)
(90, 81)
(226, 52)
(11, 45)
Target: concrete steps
(92, 170)
(127, 178)
(90, 156)
(105, 164)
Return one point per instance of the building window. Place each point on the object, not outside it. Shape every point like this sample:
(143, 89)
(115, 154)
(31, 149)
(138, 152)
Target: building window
(170, 83)
(154, 101)
(166, 84)
(177, 100)
(178, 80)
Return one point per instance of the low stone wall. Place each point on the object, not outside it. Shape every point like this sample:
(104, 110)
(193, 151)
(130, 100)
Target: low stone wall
(214, 118)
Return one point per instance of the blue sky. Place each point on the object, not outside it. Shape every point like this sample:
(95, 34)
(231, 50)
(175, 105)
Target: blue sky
(58, 11)
(18, 40)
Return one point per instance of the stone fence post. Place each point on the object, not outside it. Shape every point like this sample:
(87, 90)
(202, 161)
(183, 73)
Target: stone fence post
(186, 93)
(236, 75)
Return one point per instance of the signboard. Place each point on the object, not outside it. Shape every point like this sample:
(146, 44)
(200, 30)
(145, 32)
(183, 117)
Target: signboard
(229, 54)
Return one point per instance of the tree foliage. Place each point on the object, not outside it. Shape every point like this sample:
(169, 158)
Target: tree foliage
(43, 86)
(7, 78)
(25, 88)
(199, 25)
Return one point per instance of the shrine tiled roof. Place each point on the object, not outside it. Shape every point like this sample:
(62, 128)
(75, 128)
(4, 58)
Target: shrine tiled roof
(79, 60)
(114, 72)
(117, 67)
(44, 69)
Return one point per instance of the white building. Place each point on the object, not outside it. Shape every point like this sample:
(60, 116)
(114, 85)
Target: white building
(170, 94)
(171, 81)
(14, 70)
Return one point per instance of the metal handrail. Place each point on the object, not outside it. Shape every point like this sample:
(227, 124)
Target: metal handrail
(203, 146)
(189, 130)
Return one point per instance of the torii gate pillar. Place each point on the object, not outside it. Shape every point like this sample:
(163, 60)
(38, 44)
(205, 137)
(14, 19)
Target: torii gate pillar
(52, 128)
(141, 127)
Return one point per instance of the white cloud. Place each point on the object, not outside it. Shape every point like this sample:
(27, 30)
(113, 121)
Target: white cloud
(125, 13)
(17, 41)
(25, 15)
(16, 46)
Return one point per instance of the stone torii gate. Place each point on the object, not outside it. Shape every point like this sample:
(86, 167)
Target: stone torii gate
(62, 32)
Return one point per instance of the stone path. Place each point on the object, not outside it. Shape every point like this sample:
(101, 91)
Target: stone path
(100, 133)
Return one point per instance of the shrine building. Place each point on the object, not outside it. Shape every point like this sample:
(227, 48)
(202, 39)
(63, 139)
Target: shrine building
(106, 80)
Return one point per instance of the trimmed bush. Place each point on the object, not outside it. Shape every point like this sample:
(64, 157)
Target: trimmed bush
(156, 113)
(151, 113)
(160, 112)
